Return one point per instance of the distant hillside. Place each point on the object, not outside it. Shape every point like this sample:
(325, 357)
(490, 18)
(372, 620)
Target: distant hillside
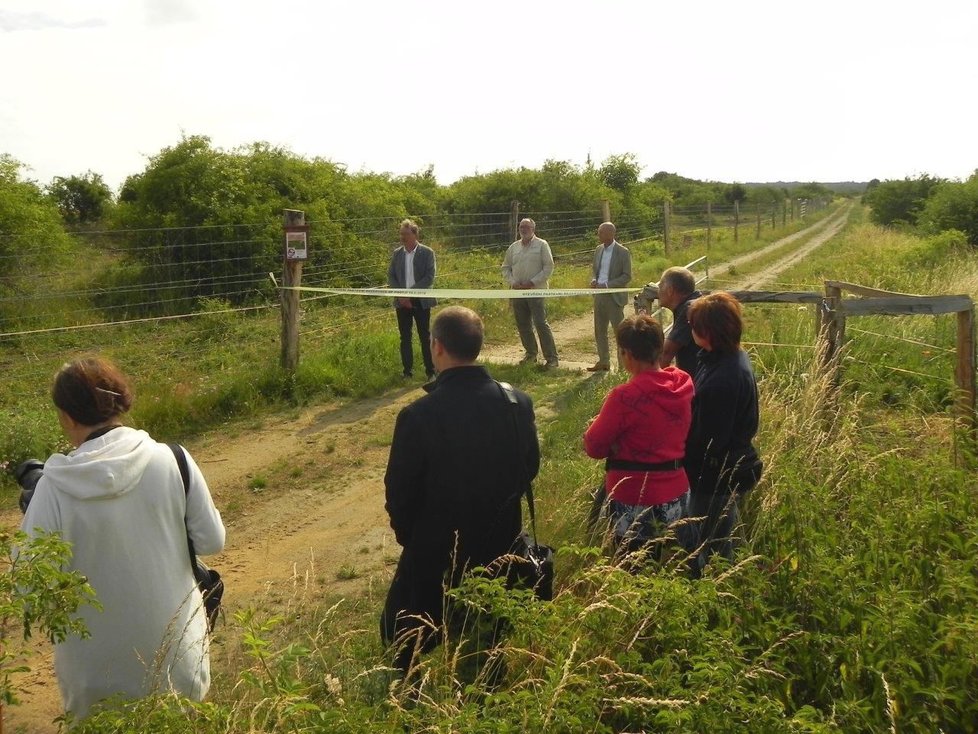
(839, 187)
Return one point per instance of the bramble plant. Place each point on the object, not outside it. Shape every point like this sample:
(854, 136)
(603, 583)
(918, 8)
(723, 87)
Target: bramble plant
(37, 596)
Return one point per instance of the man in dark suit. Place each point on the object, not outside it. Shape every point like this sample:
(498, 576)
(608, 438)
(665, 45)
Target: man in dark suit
(413, 266)
(612, 268)
(460, 460)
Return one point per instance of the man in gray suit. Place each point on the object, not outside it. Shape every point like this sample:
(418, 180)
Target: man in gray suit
(413, 266)
(612, 268)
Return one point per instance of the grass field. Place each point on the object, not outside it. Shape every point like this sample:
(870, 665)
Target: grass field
(851, 607)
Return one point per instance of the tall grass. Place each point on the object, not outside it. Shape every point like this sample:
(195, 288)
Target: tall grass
(851, 605)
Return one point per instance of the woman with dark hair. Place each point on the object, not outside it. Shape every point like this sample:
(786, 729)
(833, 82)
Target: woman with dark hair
(641, 431)
(119, 499)
(720, 456)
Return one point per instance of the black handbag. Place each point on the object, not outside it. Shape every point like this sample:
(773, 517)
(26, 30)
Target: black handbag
(532, 564)
(208, 580)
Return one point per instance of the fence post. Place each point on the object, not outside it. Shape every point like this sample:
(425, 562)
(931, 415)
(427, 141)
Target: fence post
(784, 212)
(736, 222)
(792, 202)
(758, 212)
(964, 374)
(665, 227)
(605, 210)
(709, 226)
(514, 221)
(291, 277)
(774, 216)
(834, 325)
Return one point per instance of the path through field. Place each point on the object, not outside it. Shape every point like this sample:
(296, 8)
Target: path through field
(329, 524)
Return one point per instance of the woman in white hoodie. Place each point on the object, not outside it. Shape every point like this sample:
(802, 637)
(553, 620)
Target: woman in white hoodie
(119, 499)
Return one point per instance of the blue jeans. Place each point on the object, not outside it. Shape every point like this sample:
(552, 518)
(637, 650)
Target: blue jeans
(637, 527)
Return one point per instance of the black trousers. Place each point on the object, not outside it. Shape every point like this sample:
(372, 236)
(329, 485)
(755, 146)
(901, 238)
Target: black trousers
(413, 623)
(422, 318)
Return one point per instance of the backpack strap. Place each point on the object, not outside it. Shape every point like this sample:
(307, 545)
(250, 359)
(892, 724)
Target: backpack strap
(510, 394)
(181, 457)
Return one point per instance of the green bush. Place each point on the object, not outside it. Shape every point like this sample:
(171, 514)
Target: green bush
(37, 596)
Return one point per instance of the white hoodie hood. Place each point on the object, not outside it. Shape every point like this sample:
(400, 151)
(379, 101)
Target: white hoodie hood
(104, 467)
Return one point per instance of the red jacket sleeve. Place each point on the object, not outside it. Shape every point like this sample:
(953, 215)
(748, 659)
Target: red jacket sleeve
(603, 433)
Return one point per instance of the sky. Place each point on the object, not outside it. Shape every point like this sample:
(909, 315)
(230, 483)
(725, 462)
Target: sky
(756, 90)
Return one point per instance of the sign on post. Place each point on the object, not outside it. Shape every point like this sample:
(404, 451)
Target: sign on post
(296, 242)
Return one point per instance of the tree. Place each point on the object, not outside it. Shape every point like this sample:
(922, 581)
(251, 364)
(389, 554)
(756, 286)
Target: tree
(620, 172)
(81, 199)
(29, 221)
(736, 193)
(896, 202)
(953, 205)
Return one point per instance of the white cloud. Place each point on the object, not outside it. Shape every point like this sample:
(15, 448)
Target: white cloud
(35, 21)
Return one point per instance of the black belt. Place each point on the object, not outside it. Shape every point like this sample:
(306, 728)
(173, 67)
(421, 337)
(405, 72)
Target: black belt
(627, 465)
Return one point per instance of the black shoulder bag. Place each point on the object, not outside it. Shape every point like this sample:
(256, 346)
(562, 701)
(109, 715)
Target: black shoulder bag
(533, 567)
(208, 580)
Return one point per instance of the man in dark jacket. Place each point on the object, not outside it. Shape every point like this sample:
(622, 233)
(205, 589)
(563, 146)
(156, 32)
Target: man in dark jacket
(460, 460)
(413, 266)
(677, 289)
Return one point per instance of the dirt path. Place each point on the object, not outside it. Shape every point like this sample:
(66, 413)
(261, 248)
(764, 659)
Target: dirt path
(322, 521)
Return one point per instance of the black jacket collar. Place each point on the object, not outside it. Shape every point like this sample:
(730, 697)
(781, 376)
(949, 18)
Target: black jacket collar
(468, 373)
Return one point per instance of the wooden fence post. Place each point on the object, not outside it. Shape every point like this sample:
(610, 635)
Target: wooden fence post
(964, 374)
(605, 210)
(792, 202)
(665, 227)
(835, 325)
(736, 222)
(758, 212)
(784, 212)
(514, 220)
(709, 226)
(291, 277)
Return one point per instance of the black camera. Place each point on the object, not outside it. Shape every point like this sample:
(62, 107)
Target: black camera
(27, 474)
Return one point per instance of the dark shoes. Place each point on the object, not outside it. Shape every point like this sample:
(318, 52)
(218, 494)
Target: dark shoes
(529, 359)
(551, 364)
(599, 368)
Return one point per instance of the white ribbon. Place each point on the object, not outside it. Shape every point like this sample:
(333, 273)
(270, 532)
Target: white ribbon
(464, 292)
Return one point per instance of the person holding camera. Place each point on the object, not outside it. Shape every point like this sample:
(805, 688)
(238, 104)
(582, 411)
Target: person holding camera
(677, 291)
(118, 498)
(640, 432)
(720, 456)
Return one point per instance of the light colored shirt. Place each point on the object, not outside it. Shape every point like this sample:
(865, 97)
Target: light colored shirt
(531, 262)
(409, 268)
(605, 263)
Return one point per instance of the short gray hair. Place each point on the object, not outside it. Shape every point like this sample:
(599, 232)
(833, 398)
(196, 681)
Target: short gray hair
(679, 279)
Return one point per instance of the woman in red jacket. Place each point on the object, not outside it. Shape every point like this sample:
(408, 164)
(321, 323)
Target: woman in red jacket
(641, 431)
